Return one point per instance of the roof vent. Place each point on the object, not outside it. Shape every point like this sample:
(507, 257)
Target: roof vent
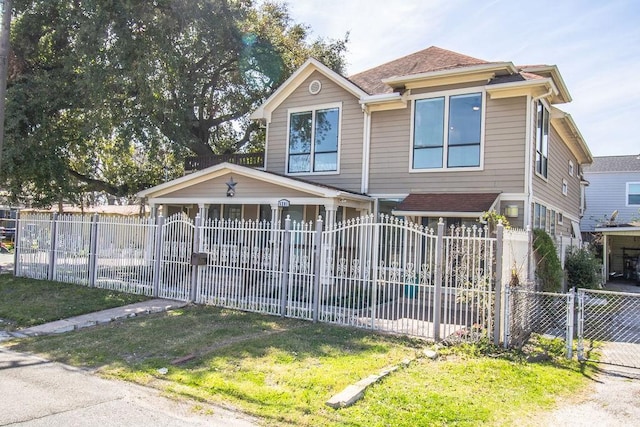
(315, 87)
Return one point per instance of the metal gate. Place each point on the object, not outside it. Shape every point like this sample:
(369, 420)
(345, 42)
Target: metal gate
(610, 319)
(176, 270)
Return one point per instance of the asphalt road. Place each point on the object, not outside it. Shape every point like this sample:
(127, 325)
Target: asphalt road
(37, 392)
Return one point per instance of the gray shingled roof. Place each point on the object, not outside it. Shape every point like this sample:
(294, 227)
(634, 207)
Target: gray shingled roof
(614, 164)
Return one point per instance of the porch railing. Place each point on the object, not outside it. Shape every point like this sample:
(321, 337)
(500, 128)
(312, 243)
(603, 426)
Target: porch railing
(196, 163)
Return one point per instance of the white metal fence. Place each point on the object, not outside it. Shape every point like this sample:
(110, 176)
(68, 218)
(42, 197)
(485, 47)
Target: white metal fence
(383, 274)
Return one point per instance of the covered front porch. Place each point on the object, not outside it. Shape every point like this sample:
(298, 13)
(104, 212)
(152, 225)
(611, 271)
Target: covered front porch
(229, 191)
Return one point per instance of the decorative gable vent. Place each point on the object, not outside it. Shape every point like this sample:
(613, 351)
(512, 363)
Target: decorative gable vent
(315, 87)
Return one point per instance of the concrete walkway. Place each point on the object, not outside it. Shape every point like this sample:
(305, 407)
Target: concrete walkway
(101, 317)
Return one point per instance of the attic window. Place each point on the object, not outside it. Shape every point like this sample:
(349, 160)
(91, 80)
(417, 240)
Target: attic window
(315, 87)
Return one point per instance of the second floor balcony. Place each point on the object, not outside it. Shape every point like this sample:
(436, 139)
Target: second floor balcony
(196, 163)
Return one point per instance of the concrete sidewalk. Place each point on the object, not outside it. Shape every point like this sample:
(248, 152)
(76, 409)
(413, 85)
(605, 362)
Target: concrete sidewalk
(37, 392)
(100, 317)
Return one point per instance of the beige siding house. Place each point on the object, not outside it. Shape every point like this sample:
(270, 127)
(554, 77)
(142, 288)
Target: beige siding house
(432, 134)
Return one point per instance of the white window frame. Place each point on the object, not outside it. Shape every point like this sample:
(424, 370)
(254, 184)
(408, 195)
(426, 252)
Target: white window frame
(538, 134)
(313, 109)
(629, 184)
(570, 167)
(560, 218)
(565, 187)
(447, 95)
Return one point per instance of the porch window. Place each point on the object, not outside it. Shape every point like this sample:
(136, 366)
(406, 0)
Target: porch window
(313, 140)
(633, 194)
(539, 216)
(447, 132)
(542, 139)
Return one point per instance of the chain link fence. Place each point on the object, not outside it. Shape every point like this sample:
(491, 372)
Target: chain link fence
(611, 317)
(544, 313)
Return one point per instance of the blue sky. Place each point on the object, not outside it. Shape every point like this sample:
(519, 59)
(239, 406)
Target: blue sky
(595, 44)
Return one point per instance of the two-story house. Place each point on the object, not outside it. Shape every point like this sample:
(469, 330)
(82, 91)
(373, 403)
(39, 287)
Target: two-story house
(429, 135)
(613, 211)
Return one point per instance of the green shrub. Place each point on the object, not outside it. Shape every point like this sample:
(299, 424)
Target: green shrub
(548, 268)
(582, 268)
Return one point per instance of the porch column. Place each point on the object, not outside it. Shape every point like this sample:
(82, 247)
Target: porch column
(153, 210)
(275, 215)
(203, 211)
(330, 213)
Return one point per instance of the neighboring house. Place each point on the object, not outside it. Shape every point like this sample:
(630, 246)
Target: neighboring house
(432, 134)
(613, 209)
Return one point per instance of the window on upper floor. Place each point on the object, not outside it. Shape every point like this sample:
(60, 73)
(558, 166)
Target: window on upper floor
(542, 139)
(313, 140)
(633, 193)
(447, 132)
(570, 168)
(565, 187)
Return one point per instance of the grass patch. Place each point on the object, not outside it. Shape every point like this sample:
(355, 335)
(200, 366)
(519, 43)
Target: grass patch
(284, 370)
(28, 302)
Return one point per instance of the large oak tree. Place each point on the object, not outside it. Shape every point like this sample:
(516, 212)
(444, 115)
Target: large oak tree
(109, 96)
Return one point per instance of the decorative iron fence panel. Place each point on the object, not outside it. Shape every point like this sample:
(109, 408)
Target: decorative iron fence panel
(33, 246)
(72, 246)
(612, 318)
(242, 268)
(125, 254)
(175, 257)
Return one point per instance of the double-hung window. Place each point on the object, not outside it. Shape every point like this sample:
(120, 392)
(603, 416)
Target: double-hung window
(447, 132)
(313, 140)
(542, 139)
(633, 193)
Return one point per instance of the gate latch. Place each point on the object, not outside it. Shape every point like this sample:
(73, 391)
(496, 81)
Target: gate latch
(199, 258)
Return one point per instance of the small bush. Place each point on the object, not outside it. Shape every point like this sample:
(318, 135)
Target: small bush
(582, 269)
(548, 268)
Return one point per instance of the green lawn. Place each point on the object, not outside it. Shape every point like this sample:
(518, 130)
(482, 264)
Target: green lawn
(27, 302)
(284, 370)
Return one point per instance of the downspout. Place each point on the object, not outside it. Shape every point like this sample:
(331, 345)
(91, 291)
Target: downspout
(529, 155)
(366, 145)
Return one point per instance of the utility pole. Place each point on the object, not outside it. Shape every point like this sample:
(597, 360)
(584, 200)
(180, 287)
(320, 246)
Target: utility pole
(4, 60)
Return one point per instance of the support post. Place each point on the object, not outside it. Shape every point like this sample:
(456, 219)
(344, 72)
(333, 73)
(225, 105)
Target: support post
(286, 256)
(195, 268)
(17, 246)
(93, 249)
(317, 261)
(51, 273)
(157, 267)
(507, 316)
(498, 284)
(437, 297)
(571, 296)
(580, 324)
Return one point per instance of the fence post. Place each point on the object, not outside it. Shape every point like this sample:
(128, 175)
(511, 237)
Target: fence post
(195, 268)
(498, 282)
(93, 247)
(570, 315)
(437, 297)
(157, 268)
(286, 257)
(581, 324)
(52, 250)
(17, 245)
(376, 223)
(318, 270)
(507, 316)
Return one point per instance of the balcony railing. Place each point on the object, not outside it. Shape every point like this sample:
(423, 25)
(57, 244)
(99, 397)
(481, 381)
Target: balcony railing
(254, 160)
